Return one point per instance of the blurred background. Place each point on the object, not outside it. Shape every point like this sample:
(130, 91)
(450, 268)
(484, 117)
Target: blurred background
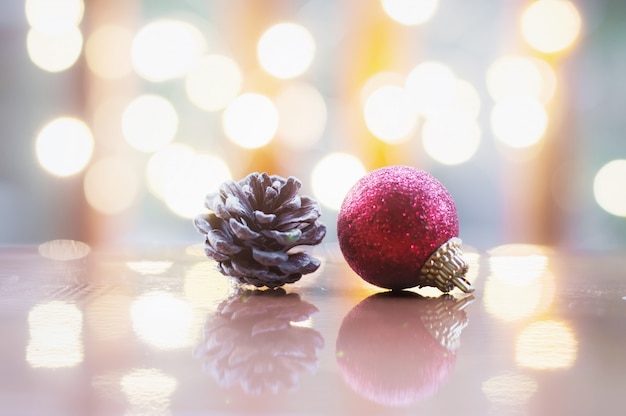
(118, 116)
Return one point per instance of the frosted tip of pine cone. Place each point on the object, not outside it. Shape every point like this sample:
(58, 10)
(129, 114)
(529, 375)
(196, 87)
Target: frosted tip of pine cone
(252, 226)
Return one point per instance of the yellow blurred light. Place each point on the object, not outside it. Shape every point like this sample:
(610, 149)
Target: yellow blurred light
(111, 185)
(509, 389)
(431, 87)
(518, 75)
(64, 146)
(64, 250)
(609, 189)
(466, 98)
(148, 391)
(333, 176)
(203, 286)
(213, 82)
(389, 115)
(149, 123)
(551, 25)
(165, 166)
(546, 345)
(518, 264)
(302, 115)
(54, 52)
(451, 137)
(166, 49)
(378, 80)
(520, 284)
(472, 258)
(146, 267)
(509, 301)
(519, 121)
(410, 12)
(55, 330)
(53, 16)
(162, 320)
(286, 50)
(251, 120)
(202, 175)
(107, 51)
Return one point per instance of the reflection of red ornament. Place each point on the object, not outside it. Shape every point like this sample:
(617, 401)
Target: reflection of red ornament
(251, 342)
(398, 228)
(395, 348)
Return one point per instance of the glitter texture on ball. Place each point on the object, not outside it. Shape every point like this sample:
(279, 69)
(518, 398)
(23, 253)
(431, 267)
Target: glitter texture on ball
(398, 228)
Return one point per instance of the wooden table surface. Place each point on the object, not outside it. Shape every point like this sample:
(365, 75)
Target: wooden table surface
(158, 331)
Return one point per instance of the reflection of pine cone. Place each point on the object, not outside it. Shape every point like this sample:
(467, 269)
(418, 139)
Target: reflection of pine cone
(252, 224)
(251, 342)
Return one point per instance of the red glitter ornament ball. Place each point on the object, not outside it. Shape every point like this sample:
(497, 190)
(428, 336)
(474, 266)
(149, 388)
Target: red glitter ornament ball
(393, 222)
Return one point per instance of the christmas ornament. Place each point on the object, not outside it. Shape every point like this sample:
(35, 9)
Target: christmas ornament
(396, 348)
(398, 228)
(251, 342)
(253, 226)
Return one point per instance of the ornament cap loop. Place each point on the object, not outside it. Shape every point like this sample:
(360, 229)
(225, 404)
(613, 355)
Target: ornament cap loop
(446, 268)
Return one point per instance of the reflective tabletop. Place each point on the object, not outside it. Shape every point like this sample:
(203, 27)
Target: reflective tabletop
(159, 331)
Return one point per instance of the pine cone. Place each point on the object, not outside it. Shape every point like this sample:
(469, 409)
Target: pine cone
(253, 224)
(251, 342)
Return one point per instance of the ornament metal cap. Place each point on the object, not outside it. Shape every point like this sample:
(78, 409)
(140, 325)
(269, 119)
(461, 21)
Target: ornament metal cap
(446, 268)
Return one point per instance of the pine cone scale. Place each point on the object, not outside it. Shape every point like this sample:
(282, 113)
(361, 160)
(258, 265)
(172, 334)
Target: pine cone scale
(263, 218)
(242, 231)
(269, 258)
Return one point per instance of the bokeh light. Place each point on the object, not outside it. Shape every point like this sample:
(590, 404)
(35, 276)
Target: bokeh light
(410, 12)
(251, 120)
(149, 123)
(162, 320)
(551, 25)
(107, 51)
(55, 330)
(164, 167)
(286, 50)
(378, 80)
(201, 174)
(302, 115)
(609, 187)
(333, 176)
(519, 75)
(213, 82)
(546, 345)
(54, 52)
(148, 267)
(520, 284)
(431, 87)
(166, 49)
(389, 115)
(509, 389)
(519, 121)
(63, 250)
(148, 391)
(451, 137)
(64, 146)
(111, 185)
(466, 98)
(204, 286)
(53, 16)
